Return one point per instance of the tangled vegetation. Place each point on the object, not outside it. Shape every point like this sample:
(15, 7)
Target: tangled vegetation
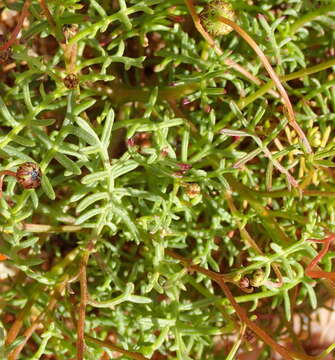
(184, 151)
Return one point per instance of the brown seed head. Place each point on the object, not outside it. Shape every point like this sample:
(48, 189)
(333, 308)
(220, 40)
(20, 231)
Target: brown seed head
(71, 81)
(29, 175)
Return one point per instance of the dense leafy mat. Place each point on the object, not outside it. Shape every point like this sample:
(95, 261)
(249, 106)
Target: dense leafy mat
(179, 192)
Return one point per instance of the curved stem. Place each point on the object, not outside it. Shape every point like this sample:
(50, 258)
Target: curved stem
(317, 274)
(36, 323)
(241, 312)
(275, 78)
(2, 175)
(310, 17)
(249, 240)
(211, 42)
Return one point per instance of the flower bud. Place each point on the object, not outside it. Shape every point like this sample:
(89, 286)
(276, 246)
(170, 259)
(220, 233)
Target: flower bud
(29, 175)
(210, 17)
(258, 278)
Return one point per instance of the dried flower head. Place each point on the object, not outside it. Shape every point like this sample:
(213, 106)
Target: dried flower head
(210, 17)
(29, 175)
(71, 81)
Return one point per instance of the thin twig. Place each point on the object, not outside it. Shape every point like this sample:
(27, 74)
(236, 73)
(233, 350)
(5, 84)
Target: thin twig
(288, 355)
(211, 42)
(83, 301)
(275, 78)
(250, 241)
(29, 332)
(24, 14)
(108, 345)
(82, 306)
(317, 274)
(2, 175)
(36, 291)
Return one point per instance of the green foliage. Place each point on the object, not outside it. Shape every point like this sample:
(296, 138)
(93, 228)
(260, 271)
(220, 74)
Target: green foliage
(157, 110)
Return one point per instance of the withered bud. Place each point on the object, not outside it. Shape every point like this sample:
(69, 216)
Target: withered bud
(71, 81)
(29, 175)
(184, 166)
(70, 30)
(130, 142)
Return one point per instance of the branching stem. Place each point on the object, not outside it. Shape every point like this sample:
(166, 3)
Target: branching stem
(219, 279)
(275, 78)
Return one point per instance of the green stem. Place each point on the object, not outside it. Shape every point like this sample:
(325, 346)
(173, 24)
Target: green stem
(243, 102)
(211, 42)
(270, 224)
(310, 17)
(275, 79)
(108, 345)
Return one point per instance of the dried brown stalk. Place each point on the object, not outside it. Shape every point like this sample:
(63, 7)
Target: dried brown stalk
(317, 274)
(274, 77)
(18, 27)
(211, 42)
(241, 313)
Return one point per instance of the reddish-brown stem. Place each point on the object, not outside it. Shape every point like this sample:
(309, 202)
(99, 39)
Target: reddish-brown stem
(17, 325)
(250, 241)
(83, 301)
(18, 27)
(220, 280)
(4, 173)
(211, 42)
(82, 307)
(36, 323)
(274, 77)
(317, 274)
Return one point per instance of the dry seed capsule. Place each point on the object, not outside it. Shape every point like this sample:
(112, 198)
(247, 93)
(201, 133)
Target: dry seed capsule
(71, 81)
(29, 175)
